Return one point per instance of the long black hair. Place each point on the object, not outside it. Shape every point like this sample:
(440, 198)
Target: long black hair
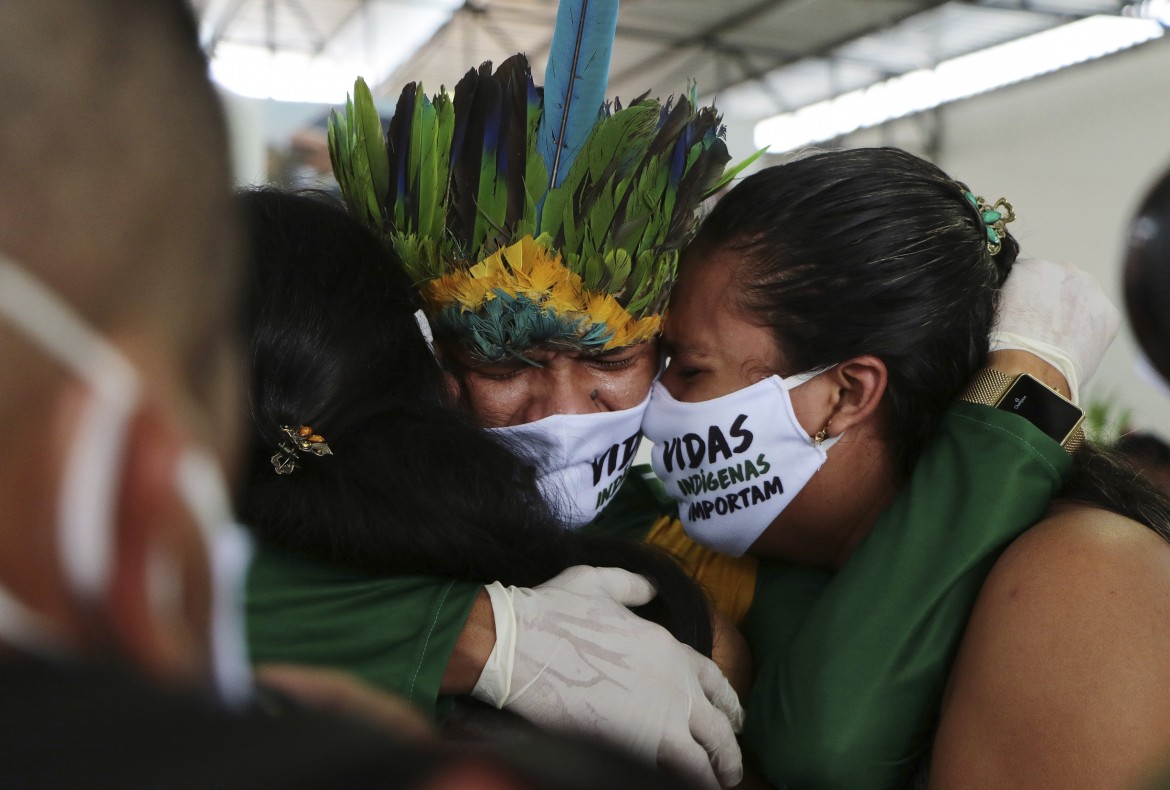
(411, 486)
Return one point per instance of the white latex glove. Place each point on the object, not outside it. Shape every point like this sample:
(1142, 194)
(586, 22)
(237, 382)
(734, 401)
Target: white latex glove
(1058, 313)
(571, 657)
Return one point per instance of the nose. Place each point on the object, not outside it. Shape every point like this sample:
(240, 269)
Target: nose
(560, 390)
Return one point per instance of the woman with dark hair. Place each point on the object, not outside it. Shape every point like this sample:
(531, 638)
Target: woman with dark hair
(826, 316)
(358, 471)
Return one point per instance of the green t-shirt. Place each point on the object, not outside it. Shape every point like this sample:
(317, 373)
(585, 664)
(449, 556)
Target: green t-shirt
(850, 668)
(397, 633)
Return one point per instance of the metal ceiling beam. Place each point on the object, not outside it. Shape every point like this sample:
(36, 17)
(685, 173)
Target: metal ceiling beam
(747, 67)
(674, 49)
(658, 36)
(307, 22)
(357, 8)
(436, 42)
(221, 24)
(270, 24)
(499, 33)
(826, 50)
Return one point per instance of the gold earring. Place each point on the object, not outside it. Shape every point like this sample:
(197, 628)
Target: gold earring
(822, 434)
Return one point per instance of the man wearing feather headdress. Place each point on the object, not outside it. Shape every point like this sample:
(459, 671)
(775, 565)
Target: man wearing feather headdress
(544, 237)
(495, 198)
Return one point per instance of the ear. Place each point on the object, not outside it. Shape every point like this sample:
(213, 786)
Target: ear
(858, 386)
(450, 381)
(158, 604)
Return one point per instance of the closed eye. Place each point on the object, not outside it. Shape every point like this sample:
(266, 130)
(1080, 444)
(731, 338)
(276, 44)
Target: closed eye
(502, 371)
(612, 364)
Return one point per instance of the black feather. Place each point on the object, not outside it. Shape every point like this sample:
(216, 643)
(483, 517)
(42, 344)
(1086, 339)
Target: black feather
(398, 153)
(515, 76)
(463, 177)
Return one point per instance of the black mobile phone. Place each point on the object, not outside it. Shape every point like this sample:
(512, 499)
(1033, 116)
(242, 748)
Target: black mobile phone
(1042, 407)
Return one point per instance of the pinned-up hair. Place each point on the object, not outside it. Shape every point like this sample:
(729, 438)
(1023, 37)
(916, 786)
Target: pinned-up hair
(868, 251)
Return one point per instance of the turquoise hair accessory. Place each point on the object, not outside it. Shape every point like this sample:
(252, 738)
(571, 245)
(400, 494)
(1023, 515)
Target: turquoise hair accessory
(995, 217)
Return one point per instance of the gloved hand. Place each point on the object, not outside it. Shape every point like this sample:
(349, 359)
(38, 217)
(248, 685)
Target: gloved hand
(1058, 313)
(570, 656)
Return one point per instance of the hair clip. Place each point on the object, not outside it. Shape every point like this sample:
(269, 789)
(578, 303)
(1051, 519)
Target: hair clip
(300, 440)
(993, 218)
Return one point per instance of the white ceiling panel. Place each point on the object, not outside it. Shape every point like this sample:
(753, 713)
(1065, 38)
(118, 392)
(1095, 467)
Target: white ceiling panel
(758, 56)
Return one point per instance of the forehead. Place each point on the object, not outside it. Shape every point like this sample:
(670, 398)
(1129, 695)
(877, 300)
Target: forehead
(704, 305)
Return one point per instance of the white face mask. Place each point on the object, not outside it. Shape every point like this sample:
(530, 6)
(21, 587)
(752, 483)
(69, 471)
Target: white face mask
(581, 460)
(89, 491)
(733, 462)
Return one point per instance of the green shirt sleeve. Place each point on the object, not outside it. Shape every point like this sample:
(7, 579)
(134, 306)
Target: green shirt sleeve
(849, 678)
(396, 633)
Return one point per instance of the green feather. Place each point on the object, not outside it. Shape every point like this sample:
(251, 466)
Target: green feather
(374, 138)
(535, 171)
(425, 153)
(336, 137)
(415, 153)
(619, 264)
(733, 171)
(569, 232)
(642, 283)
(409, 249)
(492, 196)
(444, 128)
(535, 176)
(592, 263)
(615, 144)
(350, 157)
(362, 174)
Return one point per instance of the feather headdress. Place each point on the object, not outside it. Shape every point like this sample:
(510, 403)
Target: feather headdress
(535, 218)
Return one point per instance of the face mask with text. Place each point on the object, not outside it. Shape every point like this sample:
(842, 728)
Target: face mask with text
(581, 460)
(734, 462)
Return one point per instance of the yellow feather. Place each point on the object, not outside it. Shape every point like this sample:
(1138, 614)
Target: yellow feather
(528, 267)
(636, 331)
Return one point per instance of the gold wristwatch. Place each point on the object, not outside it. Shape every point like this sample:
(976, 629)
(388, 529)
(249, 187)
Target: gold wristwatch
(1033, 400)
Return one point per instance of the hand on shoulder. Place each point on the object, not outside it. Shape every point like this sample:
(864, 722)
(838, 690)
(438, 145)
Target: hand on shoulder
(1060, 679)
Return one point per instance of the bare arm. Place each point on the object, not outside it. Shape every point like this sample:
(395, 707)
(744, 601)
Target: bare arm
(1060, 680)
(472, 649)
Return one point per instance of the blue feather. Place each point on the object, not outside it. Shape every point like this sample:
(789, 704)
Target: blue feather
(575, 80)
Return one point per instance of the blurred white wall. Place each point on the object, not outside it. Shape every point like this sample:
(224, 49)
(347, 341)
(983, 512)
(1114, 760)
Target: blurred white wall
(1074, 152)
(256, 124)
